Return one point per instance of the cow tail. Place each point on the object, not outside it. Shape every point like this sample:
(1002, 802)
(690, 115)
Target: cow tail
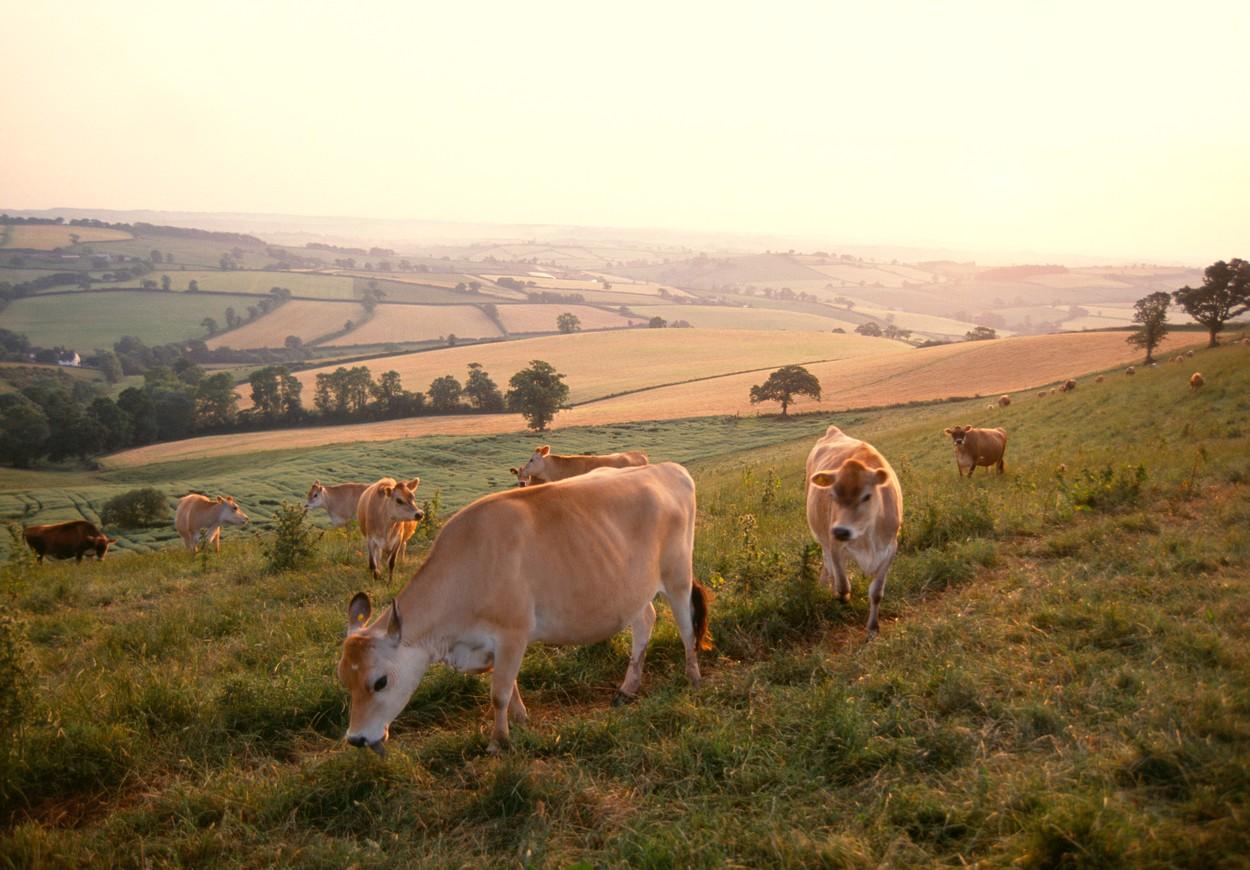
(700, 603)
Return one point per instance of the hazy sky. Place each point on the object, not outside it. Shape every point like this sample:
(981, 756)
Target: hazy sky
(1087, 127)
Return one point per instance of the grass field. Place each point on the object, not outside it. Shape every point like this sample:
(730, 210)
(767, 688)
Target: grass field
(396, 323)
(45, 237)
(603, 363)
(306, 319)
(260, 283)
(1062, 678)
(542, 318)
(204, 253)
(86, 321)
(723, 317)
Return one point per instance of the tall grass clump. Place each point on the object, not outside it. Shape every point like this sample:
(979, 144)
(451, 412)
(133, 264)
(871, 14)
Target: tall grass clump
(294, 540)
(1109, 488)
(947, 518)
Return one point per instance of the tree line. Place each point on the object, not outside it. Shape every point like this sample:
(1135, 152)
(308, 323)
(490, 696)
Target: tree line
(1223, 295)
(56, 418)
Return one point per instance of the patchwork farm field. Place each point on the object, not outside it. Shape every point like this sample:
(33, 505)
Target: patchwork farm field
(260, 283)
(542, 318)
(631, 386)
(45, 237)
(724, 317)
(1061, 676)
(306, 319)
(98, 318)
(399, 323)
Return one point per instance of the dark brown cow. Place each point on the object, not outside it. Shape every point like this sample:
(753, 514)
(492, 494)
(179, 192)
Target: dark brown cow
(68, 540)
(1068, 386)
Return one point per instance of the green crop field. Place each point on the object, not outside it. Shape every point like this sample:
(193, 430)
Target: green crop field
(205, 253)
(260, 283)
(85, 321)
(1062, 676)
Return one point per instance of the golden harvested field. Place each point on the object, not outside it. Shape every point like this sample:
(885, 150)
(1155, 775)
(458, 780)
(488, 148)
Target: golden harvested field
(851, 274)
(300, 317)
(542, 318)
(598, 364)
(45, 237)
(929, 323)
(989, 368)
(723, 317)
(395, 323)
(1068, 280)
(547, 282)
(643, 288)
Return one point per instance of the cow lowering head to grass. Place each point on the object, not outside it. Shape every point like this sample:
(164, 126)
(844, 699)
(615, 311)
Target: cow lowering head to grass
(339, 500)
(546, 467)
(69, 540)
(568, 563)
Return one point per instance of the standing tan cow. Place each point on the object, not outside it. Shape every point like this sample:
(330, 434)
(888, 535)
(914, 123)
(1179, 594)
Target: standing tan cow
(1004, 401)
(199, 517)
(1131, 370)
(1196, 380)
(388, 517)
(854, 504)
(340, 500)
(975, 447)
(547, 467)
(1068, 386)
(1099, 379)
(572, 562)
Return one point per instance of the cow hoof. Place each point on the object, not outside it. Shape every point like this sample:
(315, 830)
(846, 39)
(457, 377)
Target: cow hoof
(845, 598)
(495, 747)
(620, 699)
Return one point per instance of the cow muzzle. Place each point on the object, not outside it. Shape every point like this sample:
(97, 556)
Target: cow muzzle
(359, 741)
(843, 533)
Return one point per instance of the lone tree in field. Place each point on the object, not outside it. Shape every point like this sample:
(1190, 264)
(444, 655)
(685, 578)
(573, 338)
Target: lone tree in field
(568, 322)
(537, 393)
(981, 333)
(784, 384)
(1224, 294)
(1151, 315)
(870, 328)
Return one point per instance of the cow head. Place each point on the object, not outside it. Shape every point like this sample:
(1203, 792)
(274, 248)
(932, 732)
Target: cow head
(534, 471)
(378, 671)
(228, 511)
(516, 472)
(400, 501)
(855, 494)
(316, 496)
(101, 543)
(958, 434)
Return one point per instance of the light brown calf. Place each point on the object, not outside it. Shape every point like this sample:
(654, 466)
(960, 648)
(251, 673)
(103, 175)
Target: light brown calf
(854, 505)
(1196, 380)
(388, 515)
(547, 467)
(199, 517)
(975, 447)
(339, 500)
(569, 563)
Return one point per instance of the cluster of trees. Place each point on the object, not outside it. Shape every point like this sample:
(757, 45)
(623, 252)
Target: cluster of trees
(61, 418)
(875, 330)
(1223, 295)
(10, 290)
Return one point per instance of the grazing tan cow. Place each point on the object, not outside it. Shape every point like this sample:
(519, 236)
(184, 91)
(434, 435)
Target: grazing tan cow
(69, 540)
(1196, 380)
(975, 447)
(1041, 394)
(1099, 379)
(1189, 354)
(200, 517)
(572, 562)
(854, 504)
(547, 467)
(1068, 386)
(340, 500)
(1131, 370)
(1004, 401)
(388, 515)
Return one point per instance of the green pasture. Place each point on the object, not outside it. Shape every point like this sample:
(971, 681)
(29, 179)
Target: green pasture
(1062, 676)
(204, 253)
(257, 283)
(85, 321)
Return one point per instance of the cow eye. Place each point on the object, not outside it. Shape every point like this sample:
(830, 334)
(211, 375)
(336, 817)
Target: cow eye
(399, 501)
(380, 683)
(866, 496)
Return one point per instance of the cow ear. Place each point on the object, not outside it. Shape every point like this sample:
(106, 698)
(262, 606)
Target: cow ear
(110, 540)
(414, 483)
(515, 471)
(949, 430)
(881, 476)
(544, 450)
(358, 612)
(394, 629)
(967, 428)
(316, 483)
(386, 490)
(824, 478)
(220, 500)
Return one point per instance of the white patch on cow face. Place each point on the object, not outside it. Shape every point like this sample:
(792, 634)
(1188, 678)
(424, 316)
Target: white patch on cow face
(380, 674)
(401, 504)
(229, 512)
(316, 497)
(854, 493)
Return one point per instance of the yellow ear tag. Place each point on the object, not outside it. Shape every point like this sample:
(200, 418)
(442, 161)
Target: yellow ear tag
(360, 617)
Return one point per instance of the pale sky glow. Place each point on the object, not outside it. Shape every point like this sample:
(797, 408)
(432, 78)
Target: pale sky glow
(1094, 128)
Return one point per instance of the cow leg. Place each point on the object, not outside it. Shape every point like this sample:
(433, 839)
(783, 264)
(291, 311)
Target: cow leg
(835, 575)
(217, 539)
(508, 655)
(877, 590)
(640, 632)
(373, 559)
(1001, 467)
(390, 563)
(516, 707)
(683, 615)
